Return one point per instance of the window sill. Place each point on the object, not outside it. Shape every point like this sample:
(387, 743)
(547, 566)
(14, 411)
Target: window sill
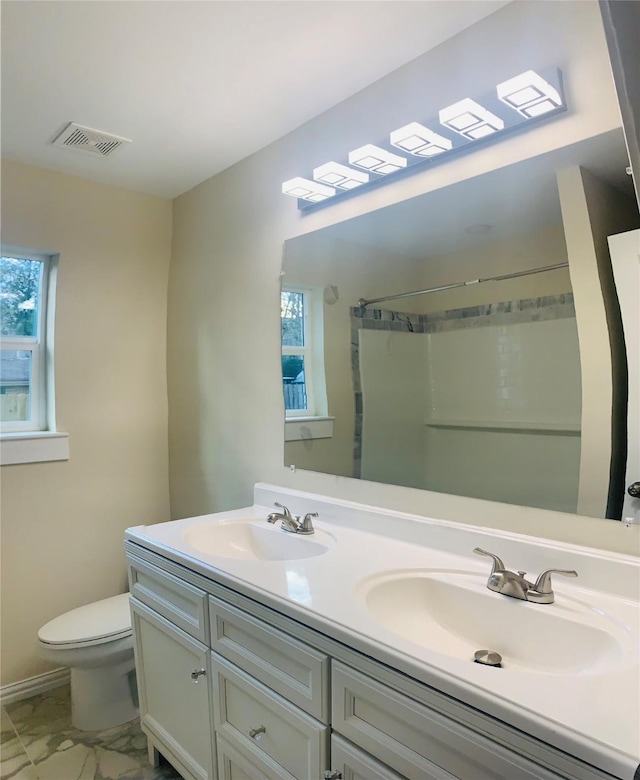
(303, 428)
(34, 447)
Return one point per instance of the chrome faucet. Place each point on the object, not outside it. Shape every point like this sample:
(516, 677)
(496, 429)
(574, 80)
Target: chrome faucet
(515, 585)
(290, 523)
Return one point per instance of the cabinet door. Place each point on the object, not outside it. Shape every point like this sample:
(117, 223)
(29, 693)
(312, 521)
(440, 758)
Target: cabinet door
(173, 708)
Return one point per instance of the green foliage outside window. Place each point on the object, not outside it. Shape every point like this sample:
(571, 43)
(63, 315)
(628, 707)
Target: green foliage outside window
(19, 285)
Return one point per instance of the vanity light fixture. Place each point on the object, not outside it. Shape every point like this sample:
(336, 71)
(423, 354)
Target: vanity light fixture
(374, 158)
(470, 119)
(529, 94)
(419, 140)
(514, 104)
(340, 176)
(305, 189)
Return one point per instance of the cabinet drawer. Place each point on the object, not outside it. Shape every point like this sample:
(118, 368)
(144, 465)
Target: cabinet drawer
(414, 740)
(292, 744)
(353, 764)
(293, 669)
(178, 601)
(233, 765)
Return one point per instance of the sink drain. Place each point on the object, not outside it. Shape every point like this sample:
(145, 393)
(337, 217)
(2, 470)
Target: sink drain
(487, 658)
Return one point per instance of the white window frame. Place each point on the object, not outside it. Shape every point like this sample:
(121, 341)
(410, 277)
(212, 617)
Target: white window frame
(36, 439)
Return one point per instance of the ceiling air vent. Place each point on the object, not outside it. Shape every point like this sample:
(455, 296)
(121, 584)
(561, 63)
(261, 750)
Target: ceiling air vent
(90, 141)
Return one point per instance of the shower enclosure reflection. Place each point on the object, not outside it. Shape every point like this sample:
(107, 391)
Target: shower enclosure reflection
(483, 400)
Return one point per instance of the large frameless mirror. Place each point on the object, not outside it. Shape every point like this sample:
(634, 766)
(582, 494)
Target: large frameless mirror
(473, 389)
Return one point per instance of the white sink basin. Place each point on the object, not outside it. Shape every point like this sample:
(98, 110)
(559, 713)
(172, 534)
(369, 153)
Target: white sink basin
(254, 540)
(453, 613)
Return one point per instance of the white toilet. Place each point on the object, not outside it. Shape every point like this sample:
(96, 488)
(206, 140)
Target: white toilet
(96, 641)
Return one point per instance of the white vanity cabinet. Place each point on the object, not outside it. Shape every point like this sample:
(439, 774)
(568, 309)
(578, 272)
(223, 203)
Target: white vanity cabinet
(279, 700)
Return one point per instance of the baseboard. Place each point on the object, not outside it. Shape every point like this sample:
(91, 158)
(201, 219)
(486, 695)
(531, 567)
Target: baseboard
(32, 686)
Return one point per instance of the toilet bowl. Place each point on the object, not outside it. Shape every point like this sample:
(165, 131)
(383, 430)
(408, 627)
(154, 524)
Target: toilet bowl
(96, 642)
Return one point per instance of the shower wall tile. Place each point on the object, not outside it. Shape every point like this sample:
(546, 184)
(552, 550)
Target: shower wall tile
(503, 313)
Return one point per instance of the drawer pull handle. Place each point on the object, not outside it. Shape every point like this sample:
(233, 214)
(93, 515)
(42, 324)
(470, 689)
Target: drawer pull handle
(255, 733)
(196, 673)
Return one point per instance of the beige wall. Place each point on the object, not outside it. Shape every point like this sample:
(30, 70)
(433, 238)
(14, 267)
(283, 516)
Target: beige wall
(63, 522)
(226, 416)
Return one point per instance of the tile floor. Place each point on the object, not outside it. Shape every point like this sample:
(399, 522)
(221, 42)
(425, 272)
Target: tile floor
(38, 742)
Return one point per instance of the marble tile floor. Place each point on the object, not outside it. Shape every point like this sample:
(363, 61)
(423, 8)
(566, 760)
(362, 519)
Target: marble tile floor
(38, 742)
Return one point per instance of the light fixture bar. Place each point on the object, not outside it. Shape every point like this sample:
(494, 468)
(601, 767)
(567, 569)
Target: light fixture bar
(306, 189)
(470, 119)
(339, 175)
(529, 94)
(419, 140)
(374, 158)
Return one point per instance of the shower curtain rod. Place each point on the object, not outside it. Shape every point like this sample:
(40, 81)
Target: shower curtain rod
(365, 302)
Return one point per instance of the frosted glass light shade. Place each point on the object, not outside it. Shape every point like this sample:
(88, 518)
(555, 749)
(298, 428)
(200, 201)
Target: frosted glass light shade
(374, 158)
(470, 119)
(419, 140)
(307, 189)
(340, 176)
(530, 94)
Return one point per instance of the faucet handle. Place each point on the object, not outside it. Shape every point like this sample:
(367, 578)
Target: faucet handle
(285, 510)
(498, 565)
(306, 526)
(543, 583)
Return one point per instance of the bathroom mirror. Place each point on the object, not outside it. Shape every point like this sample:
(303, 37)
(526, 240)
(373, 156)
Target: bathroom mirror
(473, 391)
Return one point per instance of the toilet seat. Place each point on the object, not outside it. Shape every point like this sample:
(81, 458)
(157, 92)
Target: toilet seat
(94, 624)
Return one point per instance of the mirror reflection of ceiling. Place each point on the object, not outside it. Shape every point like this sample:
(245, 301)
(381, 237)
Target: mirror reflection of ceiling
(513, 200)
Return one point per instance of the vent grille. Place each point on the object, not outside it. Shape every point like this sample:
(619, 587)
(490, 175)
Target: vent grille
(89, 141)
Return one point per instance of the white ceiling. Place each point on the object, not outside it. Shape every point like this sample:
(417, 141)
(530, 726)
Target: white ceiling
(196, 84)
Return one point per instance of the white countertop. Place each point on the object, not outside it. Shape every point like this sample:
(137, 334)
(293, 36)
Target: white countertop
(593, 714)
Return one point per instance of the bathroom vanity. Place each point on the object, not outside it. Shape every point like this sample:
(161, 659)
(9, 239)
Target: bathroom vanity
(348, 653)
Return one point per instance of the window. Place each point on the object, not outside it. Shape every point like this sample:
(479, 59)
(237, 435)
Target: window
(303, 377)
(297, 354)
(27, 420)
(23, 287)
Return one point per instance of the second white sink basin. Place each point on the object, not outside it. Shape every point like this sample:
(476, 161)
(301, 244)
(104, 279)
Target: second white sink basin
(254, 540)
(453, 613)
